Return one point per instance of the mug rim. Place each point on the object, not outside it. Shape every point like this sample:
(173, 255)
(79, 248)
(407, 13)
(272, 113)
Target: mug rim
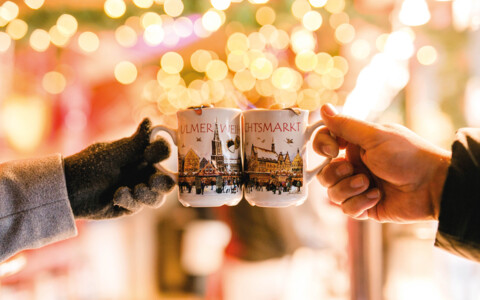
(275, 110)
(209, 108)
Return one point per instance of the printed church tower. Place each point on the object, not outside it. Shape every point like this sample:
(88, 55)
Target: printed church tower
(217, 155)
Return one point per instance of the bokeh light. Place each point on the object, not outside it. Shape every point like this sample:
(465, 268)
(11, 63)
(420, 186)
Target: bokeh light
(300, 8)
(318, 3)
(143, 3)
(399, 45)
(220, 4)
(302, 40)
(58, 38)
(172, 62)
(54, 82)
(414, 13)
(333, 79)
(237, 61)
(344, 33)
(312, 20)
(173, 8)
(88, 41)
(212, 20)
(150, 18)
(126, 36)
(258, 1)
(308, 99)
(381, 41)
(34, 4)
(238, 42)
(256, 41)
(427, 55)
(9, 11)
(265, 15)
(283, 78)
(114, 8)
(324, 63)
(306, 60)
(244, 80)
(3, 22)
(67, 24)
(199, 30)
(261, 68)
(280, 40)
(335, 6)
(39, 40)
(153, 35)
(216, 70)
(183, 27)
(168, 81)
(340, 63)
(5, 42)
(360, 49)
(200, 59)
(125, 72)
(17, 29)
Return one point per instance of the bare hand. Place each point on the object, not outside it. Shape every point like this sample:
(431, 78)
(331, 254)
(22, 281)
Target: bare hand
(389, 173)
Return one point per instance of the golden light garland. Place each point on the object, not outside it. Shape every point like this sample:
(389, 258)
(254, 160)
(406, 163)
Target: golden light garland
(253, 67)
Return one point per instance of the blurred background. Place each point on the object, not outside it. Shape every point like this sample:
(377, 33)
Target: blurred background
(76, 72)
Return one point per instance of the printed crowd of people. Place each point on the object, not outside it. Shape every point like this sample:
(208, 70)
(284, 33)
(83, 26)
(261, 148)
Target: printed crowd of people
(276, 186)
(201, 185)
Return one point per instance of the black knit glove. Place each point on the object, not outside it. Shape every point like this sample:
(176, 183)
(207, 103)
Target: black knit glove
(108, 180)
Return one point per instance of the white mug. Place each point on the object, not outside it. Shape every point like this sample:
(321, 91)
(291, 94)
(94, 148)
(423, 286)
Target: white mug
(275, 165)
(209, 156)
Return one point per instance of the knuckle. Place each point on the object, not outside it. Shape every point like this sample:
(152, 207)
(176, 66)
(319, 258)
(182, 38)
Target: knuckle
(331, 196)
(347, 209)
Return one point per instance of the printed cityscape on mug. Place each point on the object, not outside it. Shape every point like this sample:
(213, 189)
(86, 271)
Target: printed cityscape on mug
(273, 159)
(211, 163)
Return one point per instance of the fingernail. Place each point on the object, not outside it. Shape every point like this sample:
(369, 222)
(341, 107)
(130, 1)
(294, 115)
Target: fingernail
(373, 194)
(327, 150)
(343, 170)
(357, 182)
(329, 110)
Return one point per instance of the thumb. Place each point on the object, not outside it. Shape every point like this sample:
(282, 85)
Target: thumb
(352, 130)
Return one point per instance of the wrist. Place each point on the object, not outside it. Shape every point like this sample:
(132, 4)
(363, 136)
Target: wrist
(439, 176)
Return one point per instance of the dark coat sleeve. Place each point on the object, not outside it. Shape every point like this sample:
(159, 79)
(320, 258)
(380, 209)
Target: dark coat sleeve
(459, 220)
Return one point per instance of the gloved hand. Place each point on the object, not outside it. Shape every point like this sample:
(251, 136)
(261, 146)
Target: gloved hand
(108, 180)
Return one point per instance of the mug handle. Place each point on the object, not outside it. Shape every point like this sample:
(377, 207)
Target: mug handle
(310, 174)
(173, 134)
